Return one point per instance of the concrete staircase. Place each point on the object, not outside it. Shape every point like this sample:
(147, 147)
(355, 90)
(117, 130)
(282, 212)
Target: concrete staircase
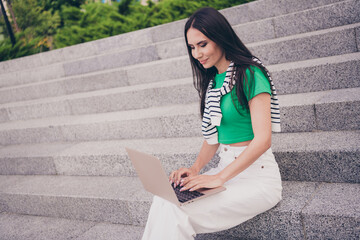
(66, 116)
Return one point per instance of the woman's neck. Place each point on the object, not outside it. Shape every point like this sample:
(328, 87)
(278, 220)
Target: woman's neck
(223, 66)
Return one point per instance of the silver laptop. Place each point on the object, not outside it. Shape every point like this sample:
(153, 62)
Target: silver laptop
(154, 180)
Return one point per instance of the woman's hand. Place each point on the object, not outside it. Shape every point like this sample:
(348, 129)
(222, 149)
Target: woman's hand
(176, 176)
(201, 181)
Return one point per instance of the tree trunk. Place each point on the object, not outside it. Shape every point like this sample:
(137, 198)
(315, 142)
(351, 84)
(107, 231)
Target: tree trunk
(8, 25)
(13, 15)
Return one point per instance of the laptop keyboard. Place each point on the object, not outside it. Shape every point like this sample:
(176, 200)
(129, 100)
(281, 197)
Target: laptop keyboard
(186, 195)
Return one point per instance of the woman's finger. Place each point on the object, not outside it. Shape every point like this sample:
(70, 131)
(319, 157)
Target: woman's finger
(184, 181)
(196, 187)
(171, 177)
(187, 179)
(201, 181)
(175, 177)
(192, 187)
(179, 174)
(190, 182)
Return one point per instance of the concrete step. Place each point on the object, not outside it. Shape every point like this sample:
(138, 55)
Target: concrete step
(304, 210)
(22, 226)
(337, 14)
(323, 43)
(310, 45)
(327, 110)
(256, 11)
(329, 156)
(275, 51)
(160, 70)
(236, 15)
(310, 75)
(285, 49)
(286, 43)
(176, 91)
(110, 199)
(320, 74)
(327, 214)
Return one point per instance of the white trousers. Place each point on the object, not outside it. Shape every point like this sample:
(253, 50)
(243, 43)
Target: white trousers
(253, 191)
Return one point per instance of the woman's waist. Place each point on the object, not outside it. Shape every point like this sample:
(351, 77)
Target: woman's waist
(239, 144)
(229, 153)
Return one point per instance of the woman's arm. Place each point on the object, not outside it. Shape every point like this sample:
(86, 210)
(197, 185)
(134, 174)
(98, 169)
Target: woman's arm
(261, 123)
(205, 155)
(207, 152)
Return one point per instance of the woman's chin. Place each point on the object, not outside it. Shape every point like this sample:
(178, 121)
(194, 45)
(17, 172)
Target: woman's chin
(206, 66)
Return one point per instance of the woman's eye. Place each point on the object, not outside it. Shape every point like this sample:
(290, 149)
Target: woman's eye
(203, 45)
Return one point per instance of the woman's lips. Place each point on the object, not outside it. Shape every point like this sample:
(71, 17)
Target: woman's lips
(203, 61)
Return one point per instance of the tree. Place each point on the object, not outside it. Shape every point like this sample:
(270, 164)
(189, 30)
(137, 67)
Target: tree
(36, 22)
(94, 21)
(55, 5)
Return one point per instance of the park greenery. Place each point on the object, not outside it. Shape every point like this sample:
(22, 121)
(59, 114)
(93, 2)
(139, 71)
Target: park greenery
(44, 25)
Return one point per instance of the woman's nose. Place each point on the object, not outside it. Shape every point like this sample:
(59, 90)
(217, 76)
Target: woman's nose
(197, 54)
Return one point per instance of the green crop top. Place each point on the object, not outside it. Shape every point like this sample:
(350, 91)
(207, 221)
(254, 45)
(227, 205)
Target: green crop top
(235, 127)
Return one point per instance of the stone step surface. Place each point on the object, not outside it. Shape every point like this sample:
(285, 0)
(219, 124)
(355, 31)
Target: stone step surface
(342, 38)
(56, 97)
(292, 48)
(329, 156)
(320, 74)
(326, 110)
(160, 70)
(22, 226)
(333, 216)
(121, 200)
(311, 75)
(240, 14)
(284, 49)
(337, 14)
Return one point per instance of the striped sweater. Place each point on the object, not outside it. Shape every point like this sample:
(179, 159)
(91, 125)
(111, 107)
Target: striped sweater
(212, 112)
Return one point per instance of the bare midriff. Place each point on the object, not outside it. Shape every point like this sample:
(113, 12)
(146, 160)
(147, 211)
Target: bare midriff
(240, 144)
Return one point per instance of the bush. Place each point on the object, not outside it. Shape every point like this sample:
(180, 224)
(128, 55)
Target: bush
(20, 49)
(94, 21)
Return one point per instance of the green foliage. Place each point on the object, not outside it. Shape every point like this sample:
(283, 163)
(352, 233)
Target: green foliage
(55, 5)
(71, 14)
(94, 21)
(20, 49)
(3, 26)
(26, 12)
(48, 23)
(34, 21)
(124, 7)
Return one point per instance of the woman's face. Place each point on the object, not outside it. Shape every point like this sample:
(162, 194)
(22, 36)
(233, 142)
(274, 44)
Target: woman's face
(207, 52)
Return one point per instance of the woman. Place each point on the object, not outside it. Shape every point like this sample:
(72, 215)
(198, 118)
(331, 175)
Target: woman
(237, 96)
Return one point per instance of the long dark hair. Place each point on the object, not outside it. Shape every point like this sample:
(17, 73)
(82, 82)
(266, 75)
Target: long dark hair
(215, 26)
